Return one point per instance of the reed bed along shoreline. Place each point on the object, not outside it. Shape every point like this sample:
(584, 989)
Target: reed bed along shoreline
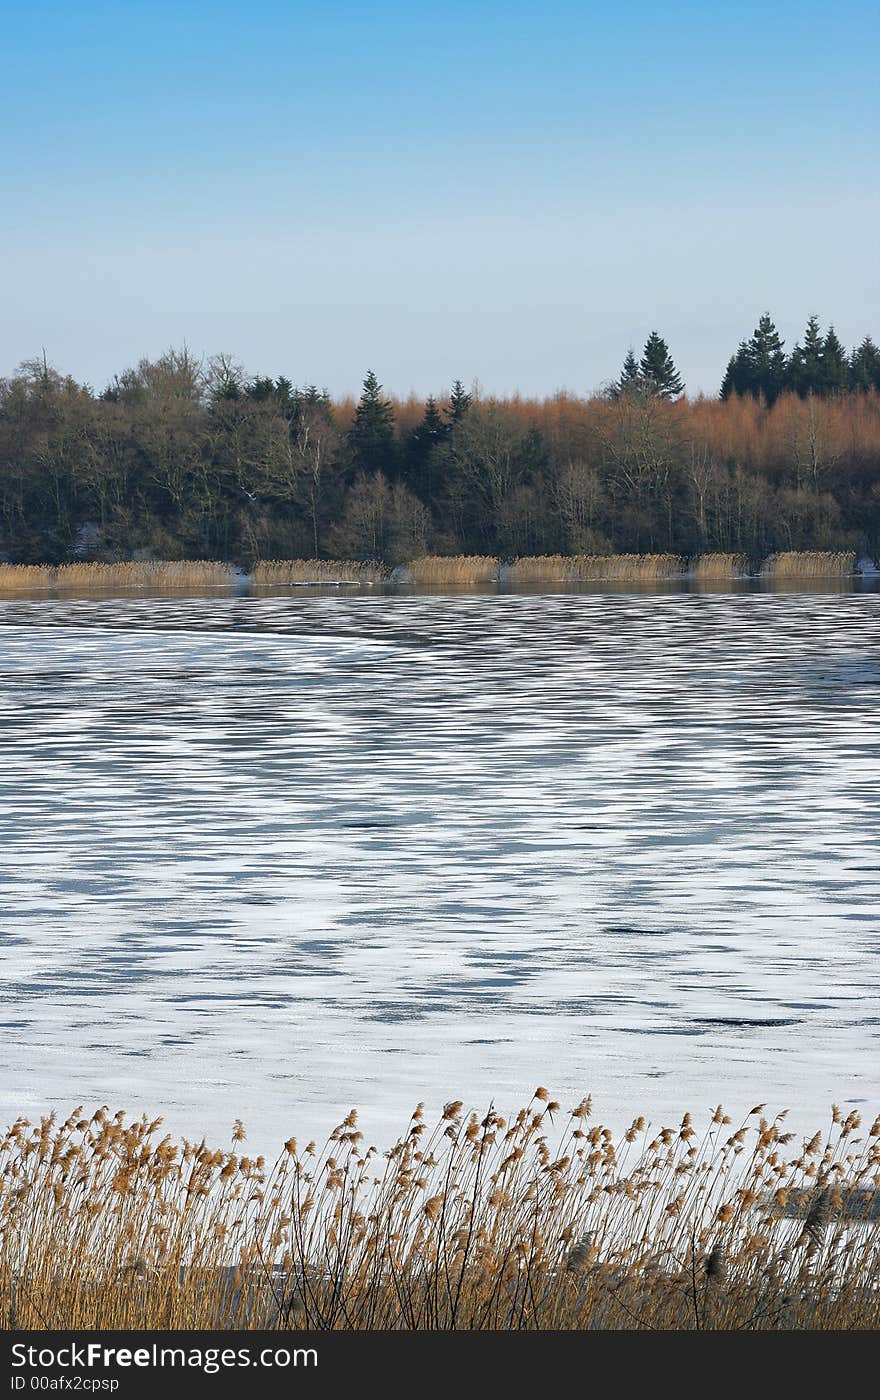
(544, 1220)
(818, 564)
(719, 566)
(459, 568)
(587, 568)
(16, 577)
(159, 574)
(432, 570)
(281, 571)
(153, 575)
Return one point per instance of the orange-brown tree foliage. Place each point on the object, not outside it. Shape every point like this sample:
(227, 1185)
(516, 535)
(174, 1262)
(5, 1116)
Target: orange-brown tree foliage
(180, 460)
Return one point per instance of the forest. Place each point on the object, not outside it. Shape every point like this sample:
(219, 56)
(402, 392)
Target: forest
(184, 458)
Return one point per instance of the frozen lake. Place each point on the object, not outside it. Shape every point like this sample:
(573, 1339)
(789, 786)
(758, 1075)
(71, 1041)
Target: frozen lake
(274, 858)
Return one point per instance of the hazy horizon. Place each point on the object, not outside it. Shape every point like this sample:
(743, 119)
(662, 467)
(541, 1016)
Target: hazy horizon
(474, 192)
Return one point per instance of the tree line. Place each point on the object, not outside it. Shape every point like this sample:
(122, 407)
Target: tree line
(180, 458)
(817, 366)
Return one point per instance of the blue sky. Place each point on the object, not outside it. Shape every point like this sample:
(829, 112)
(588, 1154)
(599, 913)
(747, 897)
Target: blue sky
(484, 191)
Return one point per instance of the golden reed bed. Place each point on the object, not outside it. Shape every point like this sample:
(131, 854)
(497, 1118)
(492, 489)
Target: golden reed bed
(611, 568)
(154, 575)
(719, 566)
(817, 564)
(544, 1220)
(465, 570)
(15, 577)
(281, 571)
(459, 568)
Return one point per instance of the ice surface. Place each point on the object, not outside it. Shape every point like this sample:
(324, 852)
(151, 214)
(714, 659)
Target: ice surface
(275, 858)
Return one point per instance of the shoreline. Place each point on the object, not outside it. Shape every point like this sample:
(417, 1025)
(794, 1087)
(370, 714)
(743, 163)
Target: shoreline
(174, 577)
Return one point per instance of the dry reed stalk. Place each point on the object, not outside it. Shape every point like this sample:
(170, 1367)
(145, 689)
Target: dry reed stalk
(542, 568)
(458, 568)
(473, 1222)
(796, 564)
(332, 571)
(153, 574)
(644, 568)
(595, 568)
(719, 566)
(14, 577)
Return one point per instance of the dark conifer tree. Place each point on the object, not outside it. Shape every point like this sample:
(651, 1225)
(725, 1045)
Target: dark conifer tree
(767, 367)
(459, 402)
(281, 391)
(630, 379)
(432, 428)
(805, 368)
(313, 397)
(658, 369)
(738, 375)
(864, 366)
(261, 388)
(286, 396)
(430, 434)
(372, 441)
(835, 366)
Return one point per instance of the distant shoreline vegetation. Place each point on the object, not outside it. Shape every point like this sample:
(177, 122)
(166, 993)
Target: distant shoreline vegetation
(181, 459)
(465, 570)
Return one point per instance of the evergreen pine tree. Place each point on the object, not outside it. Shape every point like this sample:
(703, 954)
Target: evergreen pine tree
(371, 440)
(767, 365)
(430, 433)
(805, 368)
(835, 367)
(657, 369)
(864, 366)
(728, 385)
(738, 377)
(313, 397)
(261, 388)
(432, 428)
(630, 379)
(459, 402)
(286, 396)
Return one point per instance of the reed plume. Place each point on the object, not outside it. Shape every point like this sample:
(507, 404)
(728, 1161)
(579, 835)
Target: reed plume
(469, 1220)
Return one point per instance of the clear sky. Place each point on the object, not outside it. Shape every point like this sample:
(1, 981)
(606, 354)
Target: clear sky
(486, 190)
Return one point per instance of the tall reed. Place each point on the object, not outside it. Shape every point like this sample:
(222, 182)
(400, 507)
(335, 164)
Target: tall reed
(153, 574)
(719, 566)
(457, 568)
(21, 576)
(538, 1220)
(796, 564)
(282, 571)
(620, 568)
(159, 575)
